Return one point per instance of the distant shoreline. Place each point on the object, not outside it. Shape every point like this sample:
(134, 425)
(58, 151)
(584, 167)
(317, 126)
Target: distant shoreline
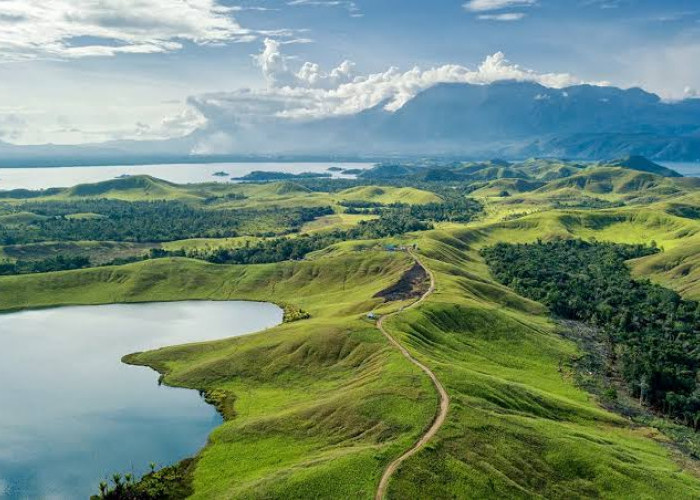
(174, 160)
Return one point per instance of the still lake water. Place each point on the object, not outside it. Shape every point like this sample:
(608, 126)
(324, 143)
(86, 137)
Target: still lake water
(686, 169)
(41, 178)
(72, 414)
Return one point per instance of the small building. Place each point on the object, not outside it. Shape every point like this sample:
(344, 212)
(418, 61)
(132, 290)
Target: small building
(371, 315)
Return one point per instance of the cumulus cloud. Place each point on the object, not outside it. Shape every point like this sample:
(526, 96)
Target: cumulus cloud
(489, 5)
(81, 28)
(666, 70)
(691, 93)
(179, 124)
(276, 71)
(310, 92)
(298, 94)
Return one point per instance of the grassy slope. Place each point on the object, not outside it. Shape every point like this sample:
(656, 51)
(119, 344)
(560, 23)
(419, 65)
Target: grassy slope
(209, 243)
(387, 195)
(517, 427)
(97, 251)
(677, 268)
(321, 405)
(335, 221)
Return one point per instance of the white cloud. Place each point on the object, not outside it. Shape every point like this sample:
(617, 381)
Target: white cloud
(350, 6)
(32, 29)
(12, 126)
(489, 5)
(273, 64)
(35, 127)
(311, 93)
(178, 125)
(666, 70)
(507, 16)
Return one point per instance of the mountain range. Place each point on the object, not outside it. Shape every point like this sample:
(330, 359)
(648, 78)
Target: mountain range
(506, 119)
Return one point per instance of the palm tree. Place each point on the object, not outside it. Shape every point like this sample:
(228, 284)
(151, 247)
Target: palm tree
(103, 489)
(117, 479)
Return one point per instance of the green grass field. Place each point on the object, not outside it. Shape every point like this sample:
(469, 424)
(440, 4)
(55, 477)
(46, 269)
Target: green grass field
(318, 408)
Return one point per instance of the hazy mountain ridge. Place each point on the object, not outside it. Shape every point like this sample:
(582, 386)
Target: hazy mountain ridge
(516, 119)
(506, 119)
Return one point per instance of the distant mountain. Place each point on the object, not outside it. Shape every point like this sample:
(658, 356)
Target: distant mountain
(516, 119)
(507, 119)
(643, 165)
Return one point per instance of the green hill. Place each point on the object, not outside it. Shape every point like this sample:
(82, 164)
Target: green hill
(388, 195)
(615, 183)
(132, 187)
(643, 165)
(322, 405)
(318, 408)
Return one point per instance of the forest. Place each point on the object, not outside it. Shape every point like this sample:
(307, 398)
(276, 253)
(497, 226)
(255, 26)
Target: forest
(280, 249)
(454, 209)
(653, 333)
(57, 263)
(148, 221)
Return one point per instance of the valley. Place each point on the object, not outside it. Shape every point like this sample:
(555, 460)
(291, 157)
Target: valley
(323, 405)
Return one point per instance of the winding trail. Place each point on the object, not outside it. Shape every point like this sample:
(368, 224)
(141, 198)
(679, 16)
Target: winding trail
(441, 415)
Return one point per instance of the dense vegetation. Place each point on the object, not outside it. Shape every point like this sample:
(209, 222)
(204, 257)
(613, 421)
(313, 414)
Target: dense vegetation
(141, 221)
(454, 209)
(318, 408)
(654, 333)
(168, 483)
(264, 176)
(57, 263)
(281, 249)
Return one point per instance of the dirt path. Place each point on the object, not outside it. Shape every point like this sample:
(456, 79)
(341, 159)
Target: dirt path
(444, 398)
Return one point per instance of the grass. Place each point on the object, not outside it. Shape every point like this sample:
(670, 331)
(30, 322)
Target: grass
(315, 399)
(317, 408)
(322, 405)
(677, 268)
(209, 243)
(517, 427)
(98, 251)
(335, 221)
(388, 195)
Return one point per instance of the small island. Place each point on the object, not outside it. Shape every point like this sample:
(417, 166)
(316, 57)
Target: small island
(352, 171)
(220, 173)
(334, 169)
(260, 176)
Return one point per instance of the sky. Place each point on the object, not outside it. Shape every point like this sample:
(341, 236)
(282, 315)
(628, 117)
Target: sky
(78, 71)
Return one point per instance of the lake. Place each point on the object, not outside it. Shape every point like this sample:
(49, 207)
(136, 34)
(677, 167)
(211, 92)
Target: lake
(41, 178)
(73, 414)
(691, 169)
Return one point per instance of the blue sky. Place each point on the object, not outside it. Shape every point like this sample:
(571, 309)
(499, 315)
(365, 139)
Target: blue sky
(82, 71)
